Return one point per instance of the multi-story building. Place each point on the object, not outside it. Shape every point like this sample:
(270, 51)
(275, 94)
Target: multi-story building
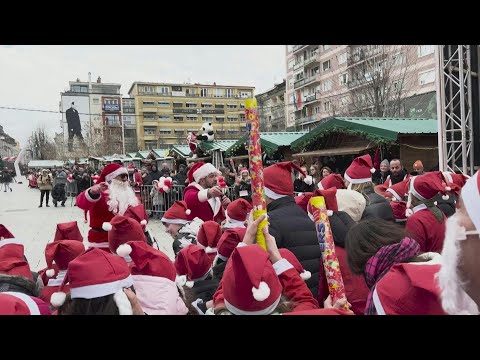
(373, 80)
(165, 113)
(271, 108)
(99, 110)
(129, 124)
(8, 145)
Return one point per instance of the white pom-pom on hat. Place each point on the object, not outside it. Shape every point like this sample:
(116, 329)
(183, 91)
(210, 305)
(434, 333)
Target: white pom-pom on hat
(448, 188)
(143, 222)
(181, 280)
(50, 272)
(107, 226)
(372, 170)
(306, 275)
(435, 203)
(409, 212)
(262, 293)
(58, 299)
(308, 180)
(445, 197)
(124, 250)
(329, 212)
(189, 284)
(188, 211)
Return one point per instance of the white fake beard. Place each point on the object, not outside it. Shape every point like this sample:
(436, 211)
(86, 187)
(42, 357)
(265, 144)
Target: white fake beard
(121, 196)
(455, 301)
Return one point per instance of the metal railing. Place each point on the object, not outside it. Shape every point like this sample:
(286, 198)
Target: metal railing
(157, 203)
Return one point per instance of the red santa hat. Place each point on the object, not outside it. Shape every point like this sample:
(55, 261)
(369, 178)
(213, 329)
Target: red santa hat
(111, 171)
(399, 190)
(303, 199)
(68, 231)
(399, 209)
(278, 179)
(237, 212)
(95, 274)
(177, 213)
(382, 191)
(200, 170)
(131, 167)
(208, 236)
(192, 264)
(16, 303)
(250, 283)
(455, 181)
(360, 170)
(12, 259)
(122, 229)
(471, 199)
(331, 180)
(330, 196)
(62, 252)
(148, 261)
(137, 213)
(292, 259)
(427, 186)
(409, 289)
(243, 170)
(4, 233)
(228, 242)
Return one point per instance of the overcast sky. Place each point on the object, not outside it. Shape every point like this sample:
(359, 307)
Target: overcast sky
(33, 76)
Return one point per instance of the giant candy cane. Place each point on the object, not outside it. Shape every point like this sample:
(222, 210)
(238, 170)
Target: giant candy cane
(256, 168)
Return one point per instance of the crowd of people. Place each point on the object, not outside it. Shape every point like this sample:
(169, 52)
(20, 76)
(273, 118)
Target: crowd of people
(406, 244)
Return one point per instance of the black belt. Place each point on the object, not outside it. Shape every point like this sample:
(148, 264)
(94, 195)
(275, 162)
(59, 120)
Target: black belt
(97, 229)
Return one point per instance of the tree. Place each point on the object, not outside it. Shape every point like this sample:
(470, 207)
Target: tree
(42, 147)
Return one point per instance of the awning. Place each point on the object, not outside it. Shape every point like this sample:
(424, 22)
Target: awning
(270, 141)
(352, 150)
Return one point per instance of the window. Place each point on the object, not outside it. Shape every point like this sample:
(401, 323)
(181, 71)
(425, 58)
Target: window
(177, 105)
(163, 104)
(164, 117)
(204, 92)
(149, 130)
(179, 131)
(426, 77)
(397, 85)
(177, 118)
(149, 116)
(191, 92)
(219, 92)
(242, 106)
(165, 131)
(342, 58)
(162, 89)
(192, 117)
(150, 144)
(327, 105)
(245, 94)
(190, 105)
(207, 118)
(343, 79)
(229, 93)
(207, 105)
(131, 133)
(314, 71)
(148, 89)
(220, 118)
(232, 130)
(290, 64)
(326, 65)
(424, 50)
(290, 82)
(232, 118)
(327, 85)
(149, 103)
(398, 59)
(326, 47)
(344, 100)
(219, 106)
(242, 117)
(231, 106)
(96, 101)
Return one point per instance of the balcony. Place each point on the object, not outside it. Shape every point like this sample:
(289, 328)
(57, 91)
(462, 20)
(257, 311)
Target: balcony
(111, 107)
(306, 81)
(298, 47)
(311, 60)
(153, 93)
(311, 98)
(361, 54)
(308, 119)
(297, 66)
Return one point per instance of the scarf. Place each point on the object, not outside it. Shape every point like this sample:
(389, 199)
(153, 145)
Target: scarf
(380, 263)
(430, 204)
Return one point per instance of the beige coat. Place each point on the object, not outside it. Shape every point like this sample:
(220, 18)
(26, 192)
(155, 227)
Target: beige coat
(45, 181)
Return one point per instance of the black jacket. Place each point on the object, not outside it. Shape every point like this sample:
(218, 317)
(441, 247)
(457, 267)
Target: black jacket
(301, 186)
(180, 178)
(379, 178)
(204, 289)
(340, 223)
(218, 269)
(293, 230)
(447, 206)
(377, 206)
(244, 186)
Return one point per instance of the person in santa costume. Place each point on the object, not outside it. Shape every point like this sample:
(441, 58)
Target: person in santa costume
(289, 224)
(426, 223)
(358, 177)
(259, 282)
(17, 303)
(236, 214)
(331, 180)
(60, 252)
(122, 229)
(203, 196)
(112, 195)
(183, 231)
(227, 243)
(139, 214)
(459, 275)
(135, 180)
(448, 206)
(400, 277)
(397, 173)
(208, 236)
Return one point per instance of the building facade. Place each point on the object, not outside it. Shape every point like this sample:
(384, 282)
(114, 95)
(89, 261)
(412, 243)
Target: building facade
(8, 145)
(166, 113)
(129, 124)
(99, 109)
(354, 80)
(271, 108)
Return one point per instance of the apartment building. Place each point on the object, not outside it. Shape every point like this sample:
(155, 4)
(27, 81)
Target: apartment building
(343, 80)
(271, 108)
(165, 113)
(8, 145)
(129, 124)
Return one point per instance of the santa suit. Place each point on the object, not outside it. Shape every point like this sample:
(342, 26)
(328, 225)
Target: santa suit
(137, 178)
(424, 227)
(99, 213)
(53, 285)
(201, 206)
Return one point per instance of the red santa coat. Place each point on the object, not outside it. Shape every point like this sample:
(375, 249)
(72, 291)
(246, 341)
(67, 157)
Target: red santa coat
(409, 289)
(136, 177)
(388, 182)
(424, 227)
(99, 213)
(201, 206)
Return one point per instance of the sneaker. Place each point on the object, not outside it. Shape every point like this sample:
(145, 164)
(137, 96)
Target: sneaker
(39, 205)
(47, 205)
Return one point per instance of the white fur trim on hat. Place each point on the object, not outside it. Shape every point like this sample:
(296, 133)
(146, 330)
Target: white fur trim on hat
(356, 181)
(58, 299)
(471, 200)
(308, 180)
(50, 272)
(188, 211)
(174, 221)
(395, 194)
(240, 244)
(409, 212)
(204, 171)
(210, 250)
(122, 302)
(306, 275)
(272, 195)
(143, 222)
(448, 177)
(262, 292)
(107, 226)
(124, 250)
(115, 173)
(99, 290)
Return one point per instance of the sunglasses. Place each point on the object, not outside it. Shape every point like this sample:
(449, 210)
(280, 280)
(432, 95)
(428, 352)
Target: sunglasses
(124, 176)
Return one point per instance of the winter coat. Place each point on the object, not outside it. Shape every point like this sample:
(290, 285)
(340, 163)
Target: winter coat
(379, 177)
(156, 198)
(293, 230)
(244, 186)
(58, 192)
(180, 178)
(45, 182)
(165, 172)
(447, 206)
(19, 284)
(377, 206)
(301, 186)
(187, 235)
(61, 178)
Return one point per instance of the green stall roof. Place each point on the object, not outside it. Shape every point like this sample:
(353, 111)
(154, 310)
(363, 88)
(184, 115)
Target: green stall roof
(182, 150)
(222, 145)
(270, 141)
